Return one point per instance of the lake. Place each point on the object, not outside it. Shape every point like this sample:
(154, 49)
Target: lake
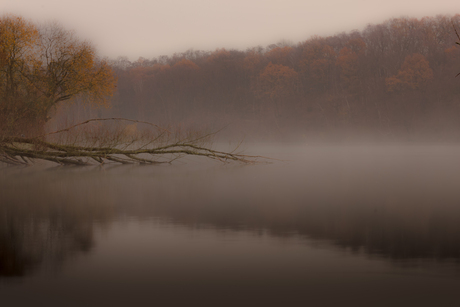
(327, 226)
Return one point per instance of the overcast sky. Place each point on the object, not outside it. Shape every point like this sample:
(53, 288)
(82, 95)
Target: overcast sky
(150, 28)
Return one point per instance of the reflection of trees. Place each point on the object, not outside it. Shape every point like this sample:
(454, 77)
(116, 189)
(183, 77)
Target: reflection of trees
(27, 240)
(396, 214)
(400, 219)
(375, 230)
(44, 226)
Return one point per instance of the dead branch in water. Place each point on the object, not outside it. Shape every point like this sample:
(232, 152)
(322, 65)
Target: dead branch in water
(151, 149)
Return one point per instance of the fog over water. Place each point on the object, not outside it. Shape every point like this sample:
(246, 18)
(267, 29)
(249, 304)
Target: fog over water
(342, 216)
(328, 225)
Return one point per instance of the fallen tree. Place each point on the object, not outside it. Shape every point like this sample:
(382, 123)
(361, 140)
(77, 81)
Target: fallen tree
(113, 146)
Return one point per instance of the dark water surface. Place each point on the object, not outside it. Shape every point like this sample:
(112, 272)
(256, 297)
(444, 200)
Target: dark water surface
(334, 226)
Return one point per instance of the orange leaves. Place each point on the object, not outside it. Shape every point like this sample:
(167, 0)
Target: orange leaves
(18, 35)
(277, 81)
(415, 73)
(346, 58)
(70, 68)
(17, 57)
(43, 66)
(100, 84)
(316, 49)
(18, 38)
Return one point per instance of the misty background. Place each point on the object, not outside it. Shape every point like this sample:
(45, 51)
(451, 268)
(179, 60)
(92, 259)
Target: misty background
(270, 70)
(375, 224)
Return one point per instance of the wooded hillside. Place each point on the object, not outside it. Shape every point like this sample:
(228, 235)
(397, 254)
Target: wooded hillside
(394, 80)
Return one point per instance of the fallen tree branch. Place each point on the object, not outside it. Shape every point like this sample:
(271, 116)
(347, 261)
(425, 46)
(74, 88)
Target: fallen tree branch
(16, 150)
(112, 146)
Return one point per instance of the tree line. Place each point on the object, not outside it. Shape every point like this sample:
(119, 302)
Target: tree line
(42, 67)
(391, 80)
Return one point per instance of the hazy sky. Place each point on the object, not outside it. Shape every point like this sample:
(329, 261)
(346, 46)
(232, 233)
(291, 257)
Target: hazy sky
(150, 28)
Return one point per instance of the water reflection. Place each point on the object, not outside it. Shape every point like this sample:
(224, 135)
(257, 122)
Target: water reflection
(401, 205)
(42, 222)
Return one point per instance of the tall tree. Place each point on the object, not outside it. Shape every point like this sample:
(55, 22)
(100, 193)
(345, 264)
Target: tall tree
(41, 67)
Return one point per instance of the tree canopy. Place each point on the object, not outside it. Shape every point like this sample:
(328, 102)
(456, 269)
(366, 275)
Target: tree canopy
(42, 66)
(393, 80)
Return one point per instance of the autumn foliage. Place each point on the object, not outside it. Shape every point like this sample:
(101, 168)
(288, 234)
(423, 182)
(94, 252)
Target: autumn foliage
(394, 80)
(42, 66)
(277, 81)
(414, 74)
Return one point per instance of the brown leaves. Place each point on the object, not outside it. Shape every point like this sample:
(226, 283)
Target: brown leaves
(280, 55)
(277, 80)
(317, 62)
(415, 72)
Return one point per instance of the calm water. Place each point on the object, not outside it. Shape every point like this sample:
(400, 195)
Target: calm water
(333, 226)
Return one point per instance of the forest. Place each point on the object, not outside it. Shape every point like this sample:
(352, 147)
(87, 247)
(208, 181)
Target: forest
(393, 81)
(43, 67)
